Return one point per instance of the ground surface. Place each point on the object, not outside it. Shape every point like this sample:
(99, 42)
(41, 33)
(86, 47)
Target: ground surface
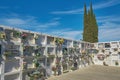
(93, 72)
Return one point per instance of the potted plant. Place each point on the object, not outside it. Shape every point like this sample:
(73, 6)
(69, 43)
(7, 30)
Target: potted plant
(103, 50)
(36, 63)
(116, 63)
(115, 49)
(54, 69)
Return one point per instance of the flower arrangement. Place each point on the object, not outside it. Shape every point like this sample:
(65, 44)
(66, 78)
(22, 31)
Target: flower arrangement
(24, 65)
(103, 50)
(59, 41)
(16, 34)
(83, 52)
(107, 55)
(7, 54)
(64, 52)
(54, 69)
(35, 75)
(51, 56)
(25, 48)
(35, 60)
(24, 36)
(101, 57)
(75, 45)
(31, 36)
(2, 35)
(38, 54)
(36, 37)
(96, 51)
(57, 62)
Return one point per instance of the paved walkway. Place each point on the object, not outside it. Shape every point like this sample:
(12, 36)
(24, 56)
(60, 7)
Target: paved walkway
(93, 72)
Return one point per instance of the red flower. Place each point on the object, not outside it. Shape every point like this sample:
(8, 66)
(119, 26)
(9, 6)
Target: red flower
(24, 34)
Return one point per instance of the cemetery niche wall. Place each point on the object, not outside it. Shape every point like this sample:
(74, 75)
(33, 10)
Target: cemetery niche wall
(27, 55)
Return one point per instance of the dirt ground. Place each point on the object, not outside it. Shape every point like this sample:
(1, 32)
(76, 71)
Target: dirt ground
(94, 72)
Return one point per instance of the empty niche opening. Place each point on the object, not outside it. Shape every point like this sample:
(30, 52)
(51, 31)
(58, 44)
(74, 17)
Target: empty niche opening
(12, 77)
(107, 45)
(11, 66)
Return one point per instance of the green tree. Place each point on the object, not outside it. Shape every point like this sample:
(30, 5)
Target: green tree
(90, 33)
(85, 23)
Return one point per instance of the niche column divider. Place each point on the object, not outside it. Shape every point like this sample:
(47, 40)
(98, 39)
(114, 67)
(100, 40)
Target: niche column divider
(21, 61)
(2, 63)
(2, 70)
(46, 54)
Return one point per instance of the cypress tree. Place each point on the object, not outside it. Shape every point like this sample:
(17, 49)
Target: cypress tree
(91, 24)
(85, 23)
(95, 32)
(89, 30)
(90, 33)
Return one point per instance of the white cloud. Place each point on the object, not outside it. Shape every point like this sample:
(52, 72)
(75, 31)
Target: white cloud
(76, 35)
(109, 34)
(68, 33)
(76, 11)
(49, 24)
(104, 4)
(109, 25)
(111, 18)
(28, 22)
(109, 29)
(14, 21)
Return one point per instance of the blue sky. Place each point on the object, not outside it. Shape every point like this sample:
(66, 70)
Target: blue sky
(61, 17)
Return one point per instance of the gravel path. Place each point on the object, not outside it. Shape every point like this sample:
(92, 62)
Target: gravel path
(93, 72)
